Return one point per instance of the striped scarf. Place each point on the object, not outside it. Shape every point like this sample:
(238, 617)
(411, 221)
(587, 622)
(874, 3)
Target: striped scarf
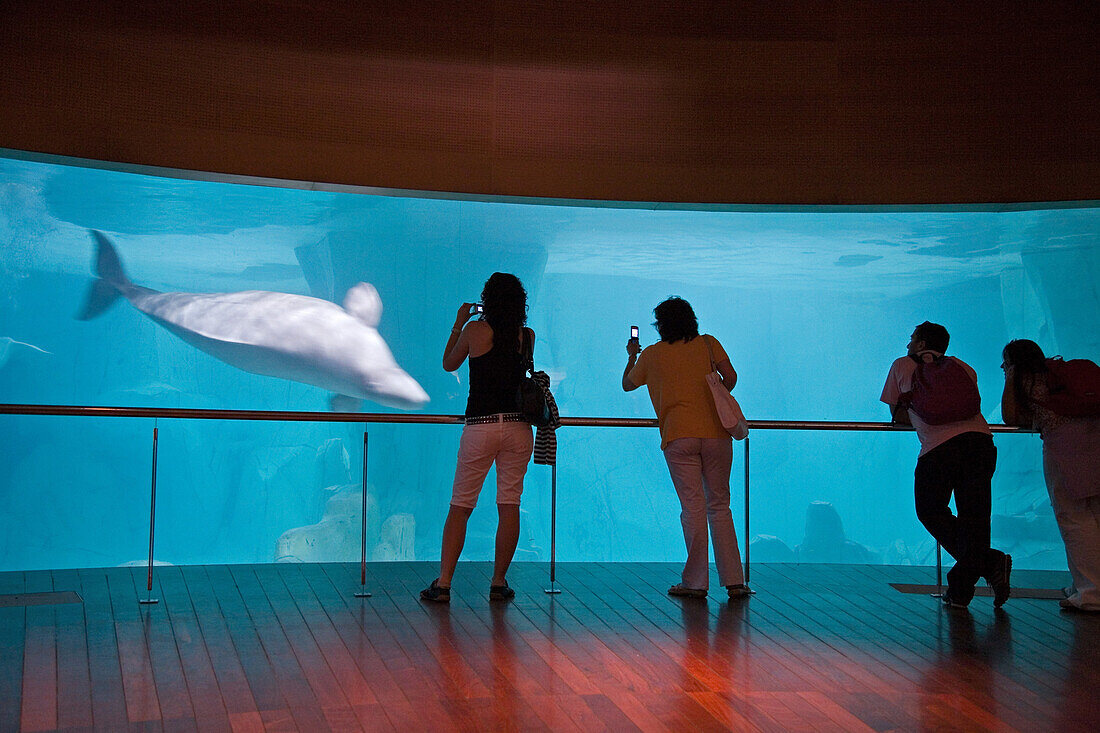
(546, 442)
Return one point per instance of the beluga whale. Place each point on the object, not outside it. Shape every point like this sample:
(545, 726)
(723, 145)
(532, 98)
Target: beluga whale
(295, 337)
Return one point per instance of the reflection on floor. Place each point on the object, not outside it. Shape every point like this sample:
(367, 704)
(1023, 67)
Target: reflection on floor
(287, 646)
(982, 591)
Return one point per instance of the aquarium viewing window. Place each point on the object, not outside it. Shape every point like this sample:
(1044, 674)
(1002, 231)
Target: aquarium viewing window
(812, 304)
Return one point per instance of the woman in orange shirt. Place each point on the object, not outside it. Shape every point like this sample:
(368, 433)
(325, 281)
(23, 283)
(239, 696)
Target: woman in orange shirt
(698, 450)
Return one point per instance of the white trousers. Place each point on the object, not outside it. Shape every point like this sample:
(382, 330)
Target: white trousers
(1079, 523)
(700, 471)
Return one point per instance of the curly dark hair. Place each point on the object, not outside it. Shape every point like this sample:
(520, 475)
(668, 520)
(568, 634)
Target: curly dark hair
(505, 303)
(1028, 360)
(676, 320)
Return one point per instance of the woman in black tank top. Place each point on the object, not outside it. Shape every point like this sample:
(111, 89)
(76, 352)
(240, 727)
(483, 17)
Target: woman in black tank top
(495, 431)
(494, 379)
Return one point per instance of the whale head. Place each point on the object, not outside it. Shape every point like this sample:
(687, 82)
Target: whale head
(394, 388)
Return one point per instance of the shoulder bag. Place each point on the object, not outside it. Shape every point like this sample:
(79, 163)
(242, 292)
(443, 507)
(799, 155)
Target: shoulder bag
(530, 397)
(729, 412)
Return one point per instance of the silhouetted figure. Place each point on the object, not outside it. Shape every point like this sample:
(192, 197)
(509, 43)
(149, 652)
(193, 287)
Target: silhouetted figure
(495, 432)
(1071, 460)
(938, 396)
(698, 450)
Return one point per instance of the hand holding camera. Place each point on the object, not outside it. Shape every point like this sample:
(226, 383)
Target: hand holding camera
(465, 312)
(633, 347)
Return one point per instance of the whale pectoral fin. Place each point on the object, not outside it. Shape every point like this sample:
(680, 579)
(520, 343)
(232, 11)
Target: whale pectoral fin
(344, 403)
(364, 303)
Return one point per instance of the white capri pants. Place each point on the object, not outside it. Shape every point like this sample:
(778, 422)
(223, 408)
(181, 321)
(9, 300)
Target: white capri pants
(508, 444)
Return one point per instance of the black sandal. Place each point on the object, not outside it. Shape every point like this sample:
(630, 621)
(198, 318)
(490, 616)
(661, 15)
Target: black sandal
(436, 592)
(501, 592)
(682, 591)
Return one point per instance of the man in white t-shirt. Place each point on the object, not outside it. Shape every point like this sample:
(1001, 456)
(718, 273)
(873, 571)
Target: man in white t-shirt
(956, 456)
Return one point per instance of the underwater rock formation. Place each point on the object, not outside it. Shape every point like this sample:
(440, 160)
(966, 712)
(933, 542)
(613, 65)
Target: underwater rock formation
(825, 540)
(337, 537)
(769, 548)
(397, 539)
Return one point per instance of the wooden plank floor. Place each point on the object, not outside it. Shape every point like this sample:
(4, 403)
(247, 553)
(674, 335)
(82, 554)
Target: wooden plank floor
(288, 647)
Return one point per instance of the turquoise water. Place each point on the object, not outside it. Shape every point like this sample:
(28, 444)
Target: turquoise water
(812, 307)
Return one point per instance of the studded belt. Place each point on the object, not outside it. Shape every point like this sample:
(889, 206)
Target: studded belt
(499, 417)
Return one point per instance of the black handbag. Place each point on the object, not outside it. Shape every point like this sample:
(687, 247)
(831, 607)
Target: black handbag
(530, 398)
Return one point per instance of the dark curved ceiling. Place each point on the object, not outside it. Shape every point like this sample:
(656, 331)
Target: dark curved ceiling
(840, 102)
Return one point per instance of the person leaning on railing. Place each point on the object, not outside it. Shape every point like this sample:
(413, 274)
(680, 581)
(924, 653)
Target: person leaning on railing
(697, 448)
(938, 395)
(1071, 463)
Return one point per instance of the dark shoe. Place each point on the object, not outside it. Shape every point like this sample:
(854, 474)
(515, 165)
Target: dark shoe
(951, 602)
(436, 592)
(738, 591)
(681, 591)
(999, 580)
(501, 592)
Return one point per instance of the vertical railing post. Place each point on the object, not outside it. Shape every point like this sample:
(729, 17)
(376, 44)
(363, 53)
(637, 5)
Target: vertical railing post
(152, 525)
(747, 538)
(362, 592)
(553, 527)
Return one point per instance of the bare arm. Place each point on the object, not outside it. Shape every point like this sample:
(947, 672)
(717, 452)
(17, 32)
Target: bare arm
(458, 345)
(892, 396)
(1012, 412)
(632, 349)
(729, 376)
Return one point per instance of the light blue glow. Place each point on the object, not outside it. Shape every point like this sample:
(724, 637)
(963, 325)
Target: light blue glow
(811, 306)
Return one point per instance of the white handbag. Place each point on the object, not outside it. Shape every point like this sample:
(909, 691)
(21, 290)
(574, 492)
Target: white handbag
(729, 412)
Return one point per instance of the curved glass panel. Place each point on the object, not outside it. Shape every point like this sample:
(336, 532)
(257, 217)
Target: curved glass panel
(812, 306)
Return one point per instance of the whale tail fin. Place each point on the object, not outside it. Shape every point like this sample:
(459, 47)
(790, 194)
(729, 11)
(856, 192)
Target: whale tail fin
(111, 280)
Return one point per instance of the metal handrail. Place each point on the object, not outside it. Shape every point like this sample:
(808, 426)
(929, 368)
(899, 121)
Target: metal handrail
(186, 413)
(402, 418)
